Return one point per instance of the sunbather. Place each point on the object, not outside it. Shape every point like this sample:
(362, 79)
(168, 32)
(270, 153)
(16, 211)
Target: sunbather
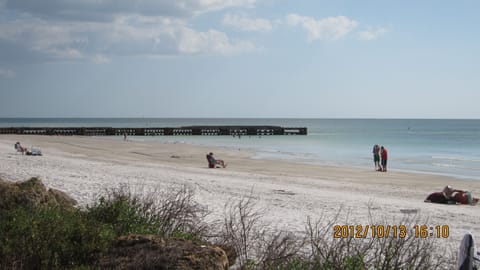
(20, 148)
(452, 196)
(212, 162)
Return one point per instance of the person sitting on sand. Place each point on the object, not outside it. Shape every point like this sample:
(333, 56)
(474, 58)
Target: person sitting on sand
(452, 196)
(212, 162)
(20, 148)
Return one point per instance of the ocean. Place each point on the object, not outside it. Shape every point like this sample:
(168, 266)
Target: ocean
(440, 147)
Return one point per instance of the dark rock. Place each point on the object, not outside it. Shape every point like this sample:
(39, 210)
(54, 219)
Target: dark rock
(155, 252)
(32, 193)
(62, 198)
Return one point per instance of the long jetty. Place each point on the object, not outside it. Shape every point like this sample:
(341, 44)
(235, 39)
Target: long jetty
(153, 131)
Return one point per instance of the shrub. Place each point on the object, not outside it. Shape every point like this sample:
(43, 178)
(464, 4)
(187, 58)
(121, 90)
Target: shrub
(48, 238)
(255, 247)
(167, 213)
(260, 248)
(123, 213)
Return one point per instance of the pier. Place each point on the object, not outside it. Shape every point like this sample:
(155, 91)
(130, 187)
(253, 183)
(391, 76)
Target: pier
(157, 131)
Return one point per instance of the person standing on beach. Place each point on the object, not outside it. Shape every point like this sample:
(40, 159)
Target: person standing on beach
(384, 155)
(376, 157)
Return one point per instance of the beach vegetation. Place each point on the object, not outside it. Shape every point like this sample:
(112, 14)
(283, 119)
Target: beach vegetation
(171, 214)
(52, 237)
(46, 237)
(49, 238)
(258, 246)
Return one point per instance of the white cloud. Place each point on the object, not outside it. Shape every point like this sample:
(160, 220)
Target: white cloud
(6, 73)
(100, 59)
(212, 41)
(96, 30)
(244, 23)
(170, 36)
(65, 53)
(331, 28)
(372, 33)
(52, 39)
(125, 35)
(212, 5)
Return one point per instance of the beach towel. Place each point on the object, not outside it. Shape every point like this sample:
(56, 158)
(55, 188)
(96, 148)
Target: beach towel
(438, 197)
(34, 152)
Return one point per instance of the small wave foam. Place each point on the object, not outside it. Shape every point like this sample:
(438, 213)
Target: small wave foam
(454, 158)
(448, 165)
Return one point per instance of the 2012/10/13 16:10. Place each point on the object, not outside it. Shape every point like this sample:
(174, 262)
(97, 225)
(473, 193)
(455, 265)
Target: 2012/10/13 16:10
(395, 231)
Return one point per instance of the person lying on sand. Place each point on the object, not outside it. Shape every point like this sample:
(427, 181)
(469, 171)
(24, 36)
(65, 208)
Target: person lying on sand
(452, 196)
(212, 162)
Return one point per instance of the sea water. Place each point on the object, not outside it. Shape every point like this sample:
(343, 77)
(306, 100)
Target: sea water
(442, 147)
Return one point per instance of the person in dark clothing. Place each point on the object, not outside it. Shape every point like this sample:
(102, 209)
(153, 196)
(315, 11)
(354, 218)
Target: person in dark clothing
(20, 148)
(212, 162)
(376, 157)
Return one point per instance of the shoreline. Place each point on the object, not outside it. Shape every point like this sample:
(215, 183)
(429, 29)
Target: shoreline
(84, 167)
(361, 161)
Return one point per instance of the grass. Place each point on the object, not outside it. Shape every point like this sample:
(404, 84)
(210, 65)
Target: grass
(50, 238)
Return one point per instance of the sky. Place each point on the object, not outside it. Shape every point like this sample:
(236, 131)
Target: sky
(240, 58)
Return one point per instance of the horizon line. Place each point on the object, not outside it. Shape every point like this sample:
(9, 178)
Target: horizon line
(319, 118)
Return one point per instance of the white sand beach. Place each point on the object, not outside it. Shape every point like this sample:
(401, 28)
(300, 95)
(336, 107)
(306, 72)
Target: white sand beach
(289, 192)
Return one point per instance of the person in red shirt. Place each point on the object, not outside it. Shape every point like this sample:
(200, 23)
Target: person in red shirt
(384, 156)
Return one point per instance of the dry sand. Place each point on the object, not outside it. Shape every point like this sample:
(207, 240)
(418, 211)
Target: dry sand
(289, 192)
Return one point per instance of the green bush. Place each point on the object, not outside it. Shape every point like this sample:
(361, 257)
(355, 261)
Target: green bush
(54, 238)
(123, 215)
(48, 238)
(170, 213)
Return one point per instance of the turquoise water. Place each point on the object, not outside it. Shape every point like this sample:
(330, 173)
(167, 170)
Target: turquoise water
(444, 147)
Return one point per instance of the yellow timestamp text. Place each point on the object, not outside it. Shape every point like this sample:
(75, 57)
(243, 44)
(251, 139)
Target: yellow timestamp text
(395, 231)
